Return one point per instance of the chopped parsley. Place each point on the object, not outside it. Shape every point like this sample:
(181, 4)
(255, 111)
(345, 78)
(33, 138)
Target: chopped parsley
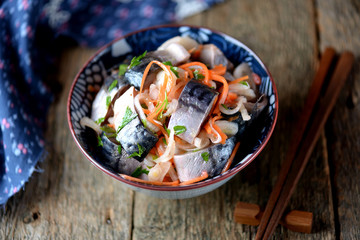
(108, 101)
(172, 68)
(113, 85)
(205, 156)
(100, 143)
(107, 129)
(100, 120)
(166, 103)
(179, 129)
(139, 171)
(167, 130)
(224, 106)
(128, 117)
(164, 140)
(144, 122)
(244, 83)
(198, 75)
(122, 69)
(138, 154)
(136, 60)
(119, 149)
(196, 150)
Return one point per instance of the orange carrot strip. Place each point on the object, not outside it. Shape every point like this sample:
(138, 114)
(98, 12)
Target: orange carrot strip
(204, 175)
(127, 177)
(146, 72)
(216, 127)
(231, 97)
(239, 79)
(224, 91)
(111, 125)
(219, 70)
(204, 68)
(231, 158)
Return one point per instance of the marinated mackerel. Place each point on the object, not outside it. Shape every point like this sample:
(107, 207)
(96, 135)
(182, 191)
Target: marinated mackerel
(175, 116)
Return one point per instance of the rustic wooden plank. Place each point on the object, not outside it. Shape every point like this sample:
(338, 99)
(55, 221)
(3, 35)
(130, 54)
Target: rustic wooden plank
(339, 24)
(71, 199)
(288, 46)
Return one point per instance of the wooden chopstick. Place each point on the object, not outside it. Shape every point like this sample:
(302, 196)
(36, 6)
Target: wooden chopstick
(321, 113)
(315, 89)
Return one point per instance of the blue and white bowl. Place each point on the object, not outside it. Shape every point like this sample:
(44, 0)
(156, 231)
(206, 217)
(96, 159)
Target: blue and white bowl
(92, 75)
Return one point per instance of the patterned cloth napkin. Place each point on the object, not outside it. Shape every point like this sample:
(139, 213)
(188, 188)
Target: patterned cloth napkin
(28, 34)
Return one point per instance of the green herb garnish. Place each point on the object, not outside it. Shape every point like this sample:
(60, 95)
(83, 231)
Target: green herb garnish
(119, 149)
(196, 150)
(108, 101)
(198, 75)
(172, 68)
(139, 171)
(179, 129)
(166, 129)
(155, 157)
(164, 141)
(166, 103)
(128, 117)
(100, 143)
(138, 154)
(107, 129)
(205, 156)
(100, 120)
(224, 106)
(136, 60)
(122, 69)
(244, 83)
(144, 122)
(112, 85)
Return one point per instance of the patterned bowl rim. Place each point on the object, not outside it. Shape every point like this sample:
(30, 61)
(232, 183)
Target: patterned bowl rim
(201, 184)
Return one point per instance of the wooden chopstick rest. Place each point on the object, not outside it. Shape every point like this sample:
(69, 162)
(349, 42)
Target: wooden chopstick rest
(296, 221)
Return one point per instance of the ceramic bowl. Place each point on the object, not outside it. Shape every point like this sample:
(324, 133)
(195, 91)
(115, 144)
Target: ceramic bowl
(92, 75)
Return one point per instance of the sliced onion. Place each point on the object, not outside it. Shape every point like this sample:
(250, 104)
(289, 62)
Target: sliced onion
(153, 92)
(242, 90)
(230, 111)
(85, 121)
(214, 138)
(149, 160)
(158, 172)
(171, 107)
(229, 128)
(202, 140)
(172, 173)
(141, 114)
(170, 149)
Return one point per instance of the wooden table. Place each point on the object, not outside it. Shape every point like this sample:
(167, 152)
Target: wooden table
(71, 199)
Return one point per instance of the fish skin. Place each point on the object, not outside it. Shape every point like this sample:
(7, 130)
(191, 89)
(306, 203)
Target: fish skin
(135, 133)
(195, 103)
(191, 165)
(120, 162)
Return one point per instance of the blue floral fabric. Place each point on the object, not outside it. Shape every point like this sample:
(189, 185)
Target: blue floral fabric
(28, 33)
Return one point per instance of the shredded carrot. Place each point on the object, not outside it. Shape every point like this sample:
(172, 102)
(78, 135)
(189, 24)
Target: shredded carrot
(127, 177)
(147, 69)
(231, 97)
(204, 68)
(204, 175)
(111, 125)
(231, 158)
(224, 91)
(195, 52)
(219, 70)
(216, 127)
(159, 149)
(239, 79)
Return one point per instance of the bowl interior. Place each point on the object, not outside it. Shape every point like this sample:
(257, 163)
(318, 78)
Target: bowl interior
(92, 75)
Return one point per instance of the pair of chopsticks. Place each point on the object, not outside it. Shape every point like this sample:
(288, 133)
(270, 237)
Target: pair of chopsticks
(318, 106)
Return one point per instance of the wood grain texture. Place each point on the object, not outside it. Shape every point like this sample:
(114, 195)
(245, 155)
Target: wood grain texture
(70, 198)
(339, 24)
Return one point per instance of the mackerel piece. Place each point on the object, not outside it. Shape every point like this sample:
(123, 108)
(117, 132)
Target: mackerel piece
(195, 103)
(211, 160)
(133, 135)
(118, 160)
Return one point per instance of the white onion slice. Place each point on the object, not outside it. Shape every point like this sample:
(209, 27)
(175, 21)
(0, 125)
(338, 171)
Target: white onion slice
(141, 114)
(229, 128)
(85, 121)
(158, 172)
(202, 140)
(171, 107)
(170, 149)
(172, 173)
(214, 139)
